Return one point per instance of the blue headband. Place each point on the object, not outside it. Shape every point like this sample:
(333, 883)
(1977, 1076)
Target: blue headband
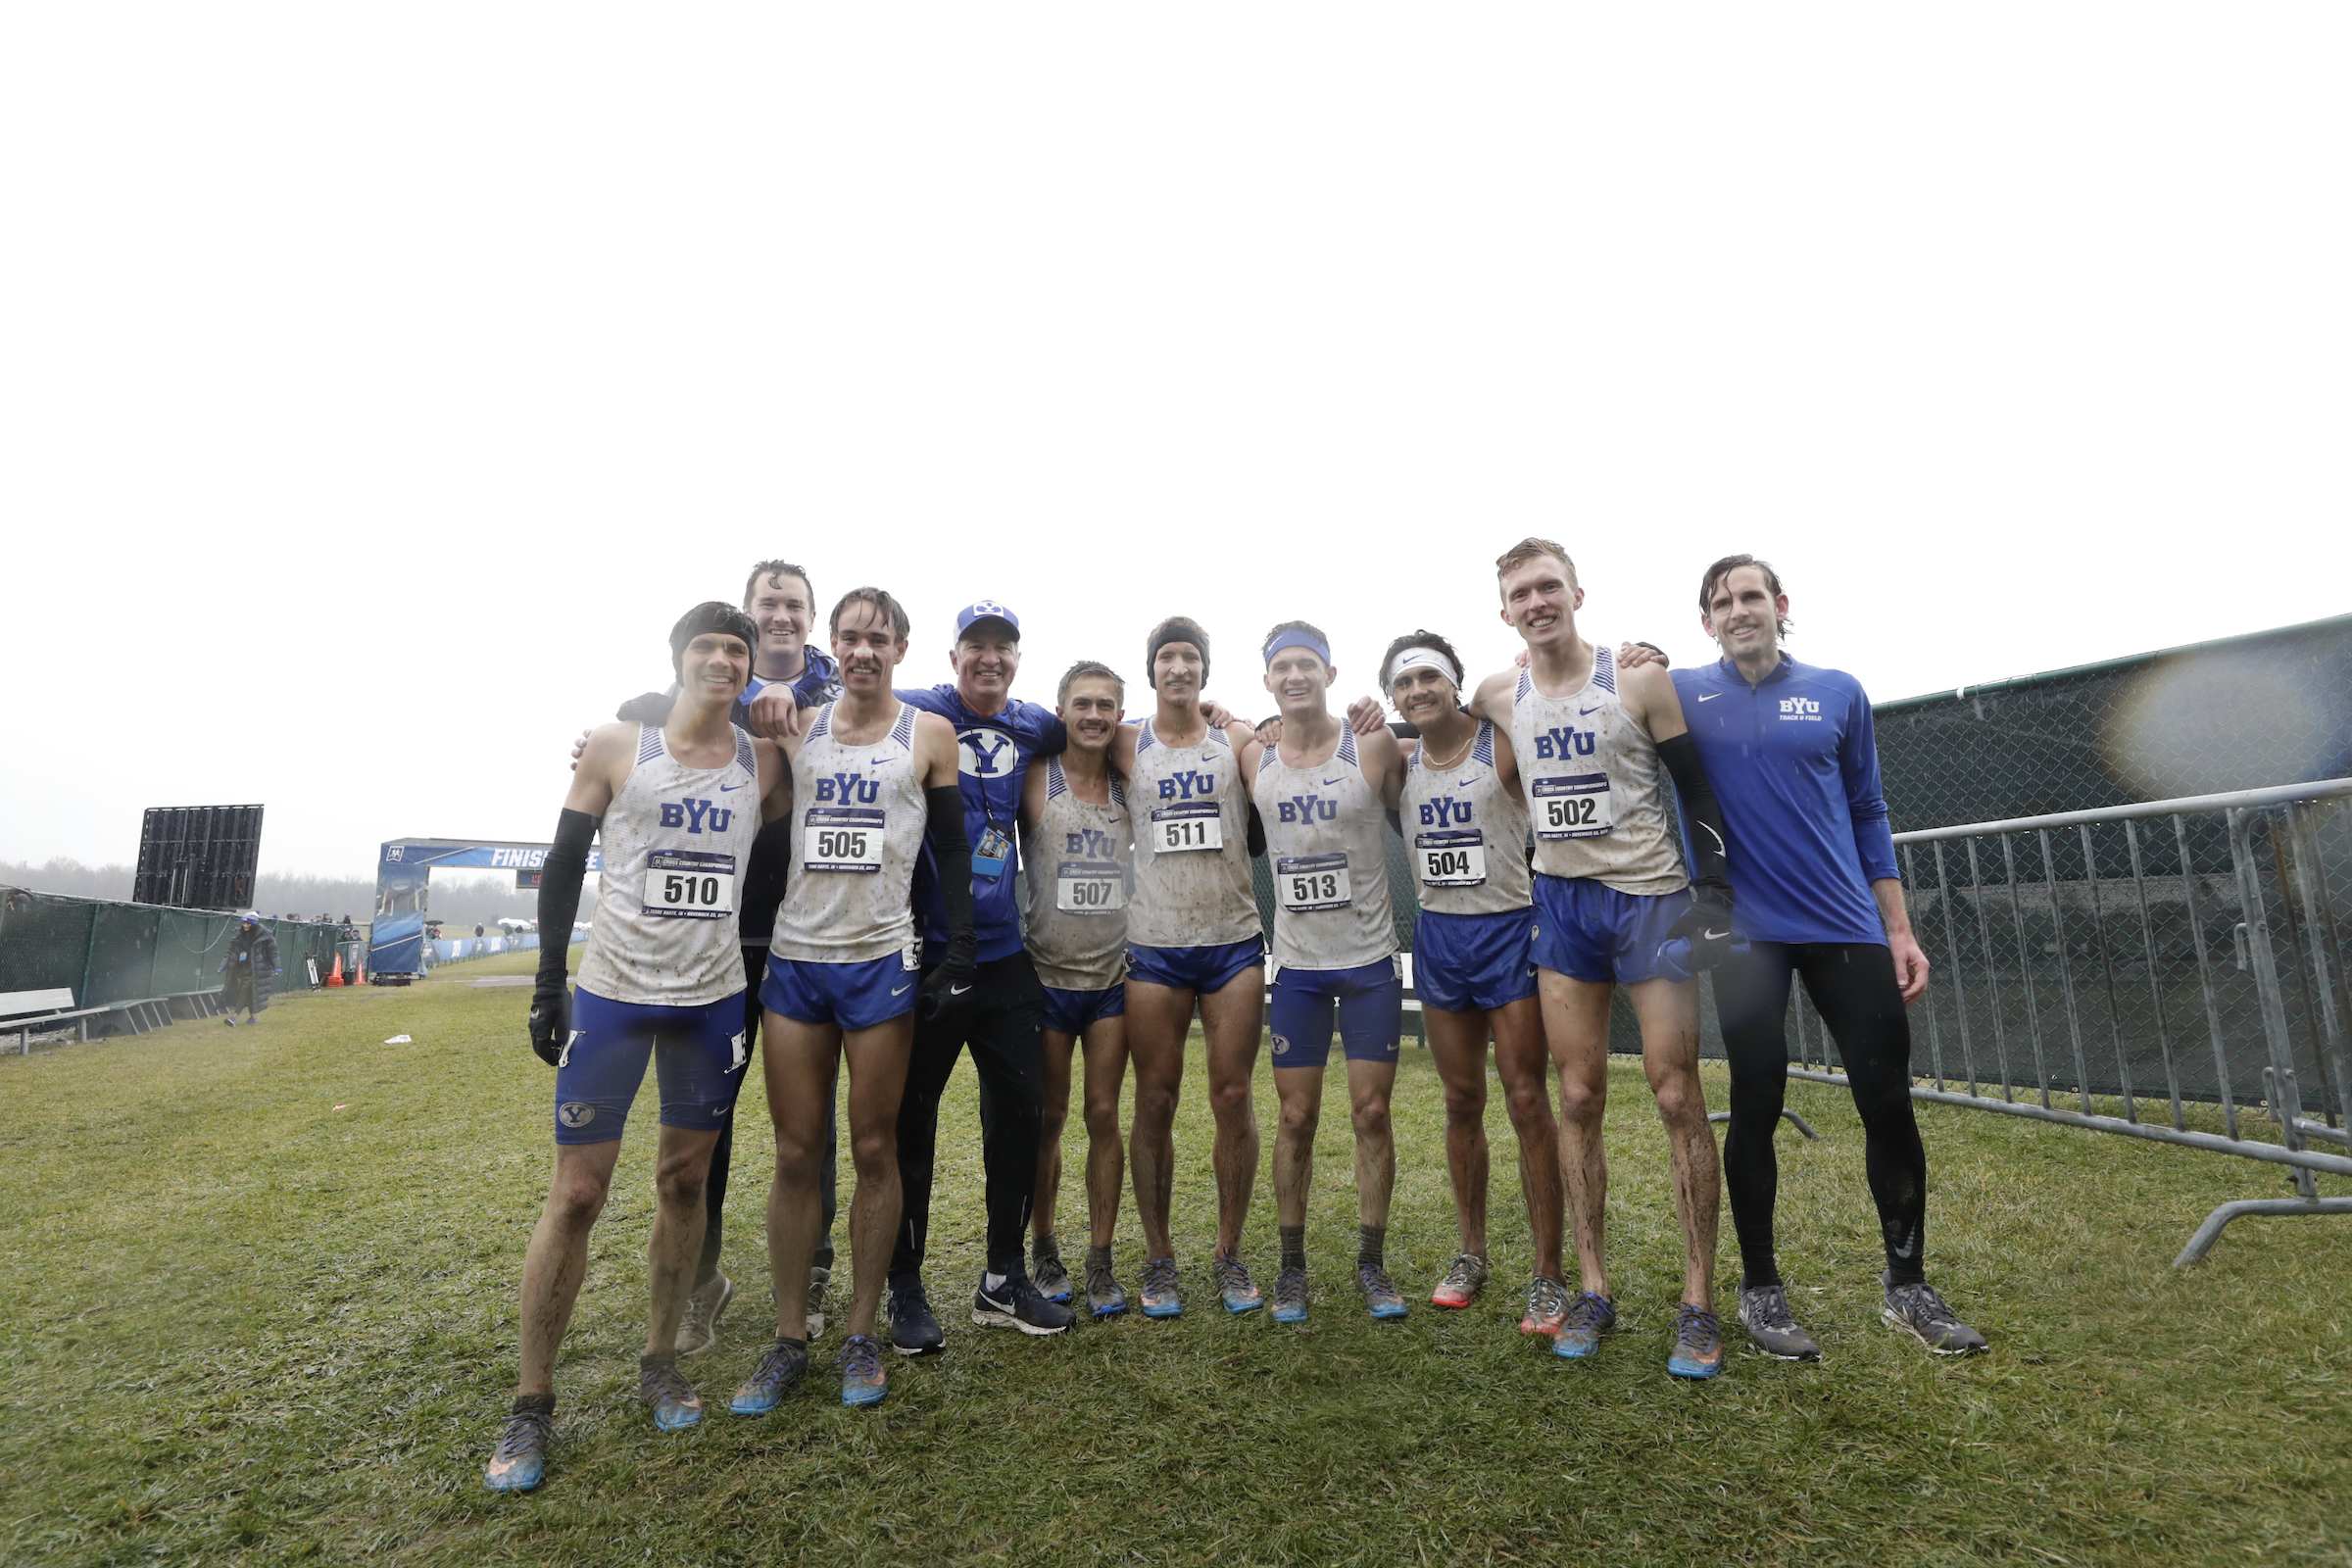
(1296, 637)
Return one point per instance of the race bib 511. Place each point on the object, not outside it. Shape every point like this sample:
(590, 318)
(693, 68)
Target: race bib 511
(1181, 829)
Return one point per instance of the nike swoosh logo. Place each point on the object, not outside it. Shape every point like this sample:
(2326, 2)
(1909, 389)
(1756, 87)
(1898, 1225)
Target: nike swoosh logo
(1334, 780)
(958, 991)
(1586, 712)
(723, 788)
(901, 991)
(1715, 936)
(1710, 697)
(1720, 848)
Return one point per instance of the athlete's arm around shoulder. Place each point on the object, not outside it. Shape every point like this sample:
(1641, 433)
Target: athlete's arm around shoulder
(1381, 755)
(604, 768)
(1033, 792)
(1506, 759)
(1650, 696)
(1493, 699)
(935, 751)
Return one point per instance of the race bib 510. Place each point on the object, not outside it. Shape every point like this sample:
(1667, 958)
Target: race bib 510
(688, 885)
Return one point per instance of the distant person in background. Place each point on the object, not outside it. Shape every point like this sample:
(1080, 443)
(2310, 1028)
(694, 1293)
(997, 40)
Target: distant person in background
(251, 963)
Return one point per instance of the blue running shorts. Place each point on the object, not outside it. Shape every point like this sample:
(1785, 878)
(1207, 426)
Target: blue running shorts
(855, 996)
(1367, 1003)
(1196, 969)
(1587, 930)
(697, 1055)
(1068, 1013)
(1467, 962)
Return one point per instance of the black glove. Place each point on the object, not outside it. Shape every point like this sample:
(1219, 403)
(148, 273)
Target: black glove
(1707, 926)
(946, 993)
(653, 708)
(551, 1022)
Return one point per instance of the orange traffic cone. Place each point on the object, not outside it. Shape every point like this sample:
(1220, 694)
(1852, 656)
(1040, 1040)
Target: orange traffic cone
(335, 976)
(363, 979)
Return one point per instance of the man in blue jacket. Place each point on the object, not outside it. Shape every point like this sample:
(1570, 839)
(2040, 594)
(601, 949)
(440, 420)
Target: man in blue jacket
(1795, 763)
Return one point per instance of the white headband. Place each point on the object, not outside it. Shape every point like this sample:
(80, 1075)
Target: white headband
(1420, 657)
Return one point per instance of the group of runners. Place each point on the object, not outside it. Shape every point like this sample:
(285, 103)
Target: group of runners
(797, 855)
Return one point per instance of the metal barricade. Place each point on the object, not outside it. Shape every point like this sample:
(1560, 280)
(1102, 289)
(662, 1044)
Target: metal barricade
(2137, 968)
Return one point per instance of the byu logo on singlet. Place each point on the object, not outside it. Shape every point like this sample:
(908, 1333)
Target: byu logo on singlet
(1309, 809)
(696, 815)
(848, 788)
(984, 754)
(1444, 809)
(1183, 784)
(1090, 843)
(1568, 741)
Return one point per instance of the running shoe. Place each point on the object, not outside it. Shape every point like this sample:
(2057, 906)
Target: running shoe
(1587, 1318)
(1239, 1290)
(1382, 1299)
(1051, 1278)
(1018, 1305)
(698, 1330)
(1161, 1299)
(1547, 1305)
(819, 1279)
(1462, 1284)
(914, 1331)
(1290, 1296)
(1698, 1343)
(778, 1373)
(663, 1387)
(861, 1378)
(520, 1458)
(1764, 1313)
(1104, 1297)
(1917, 1310)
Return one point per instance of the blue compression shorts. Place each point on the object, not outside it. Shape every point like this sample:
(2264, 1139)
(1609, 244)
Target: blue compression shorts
(1367, 1003)
(697, 1055)
(1587, 930)
(1468, 962)
(855, 996)
(1196, 969)
(1068, 1013)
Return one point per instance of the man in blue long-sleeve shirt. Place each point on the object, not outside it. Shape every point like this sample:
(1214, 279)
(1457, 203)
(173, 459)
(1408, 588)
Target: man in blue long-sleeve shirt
(1795, 763)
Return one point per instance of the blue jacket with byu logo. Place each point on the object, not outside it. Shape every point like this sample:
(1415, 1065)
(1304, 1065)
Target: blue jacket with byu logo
(996, 750)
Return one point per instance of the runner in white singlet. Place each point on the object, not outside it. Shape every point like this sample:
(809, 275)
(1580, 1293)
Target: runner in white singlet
(1321, 794)
(1076, 851)
(1466, 823)
(678, 808)
(871, 779)
(1610, 893)
(1194, 938)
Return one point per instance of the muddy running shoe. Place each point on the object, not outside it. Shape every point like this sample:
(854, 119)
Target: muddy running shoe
(1764, 1313)
(1235, 1287)
(1103, 1295)
(1698, 1343)
(1917, 1310)
(664, 1388)
(1382, 1297)
(520, 1458)
(1018, 1304)
(778, 1373)
(862, 1377)
(914, 1331)
(698, 1331)
(1587, 1318)
(1462, 1284)
(1290, 1296)
(1046, 1269)
(1547, 1305)
(1161, 1298)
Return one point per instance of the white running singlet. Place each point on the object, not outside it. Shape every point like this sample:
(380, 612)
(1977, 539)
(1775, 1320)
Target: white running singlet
(1076, 857)
(1467, 833)
(1591, 779)
(675, 840)
(1325, 845)
(1191, 844)
(858, 821)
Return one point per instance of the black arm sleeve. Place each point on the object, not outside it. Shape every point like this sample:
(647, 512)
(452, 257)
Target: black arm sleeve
(952, 852)
(565, 867)
(1712, 869)
(764, 873)
(1051, 741)
(652, 708)
(1405, 731)
(1665, 661)
(1257, 833)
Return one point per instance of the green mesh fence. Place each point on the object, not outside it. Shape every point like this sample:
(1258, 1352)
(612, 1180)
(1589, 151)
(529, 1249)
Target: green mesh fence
(106, 953)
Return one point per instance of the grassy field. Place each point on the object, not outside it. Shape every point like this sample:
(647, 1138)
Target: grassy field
(262, 1284)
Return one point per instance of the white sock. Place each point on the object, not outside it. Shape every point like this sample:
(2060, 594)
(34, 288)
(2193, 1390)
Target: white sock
(993, 1282)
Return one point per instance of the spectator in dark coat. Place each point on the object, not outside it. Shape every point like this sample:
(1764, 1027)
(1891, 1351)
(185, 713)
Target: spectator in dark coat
(251, 964)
